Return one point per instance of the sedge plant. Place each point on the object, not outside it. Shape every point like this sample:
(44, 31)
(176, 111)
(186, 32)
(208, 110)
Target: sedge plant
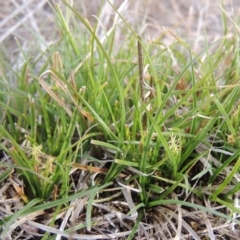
(147, 118)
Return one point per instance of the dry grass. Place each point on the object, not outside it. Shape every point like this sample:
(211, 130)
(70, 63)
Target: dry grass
(187, 19)
(110, 214)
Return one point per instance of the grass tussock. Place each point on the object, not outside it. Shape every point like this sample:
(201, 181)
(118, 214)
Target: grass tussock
(108, 139)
